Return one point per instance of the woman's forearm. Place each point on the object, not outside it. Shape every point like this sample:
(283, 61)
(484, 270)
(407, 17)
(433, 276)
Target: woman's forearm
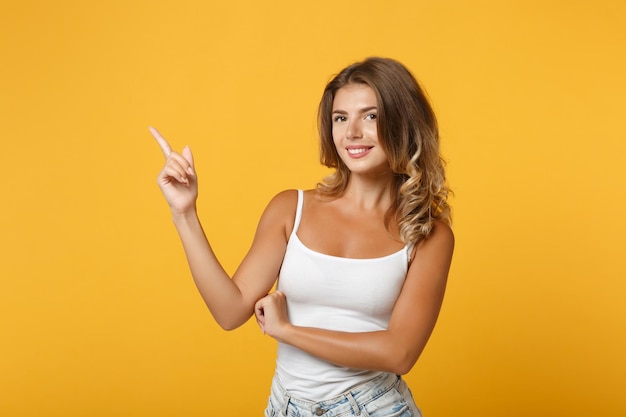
(220, 293)
(380, 350)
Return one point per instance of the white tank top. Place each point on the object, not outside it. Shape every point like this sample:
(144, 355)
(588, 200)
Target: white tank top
(334, 293)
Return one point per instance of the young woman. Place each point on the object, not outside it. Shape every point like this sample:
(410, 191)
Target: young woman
(361, 260)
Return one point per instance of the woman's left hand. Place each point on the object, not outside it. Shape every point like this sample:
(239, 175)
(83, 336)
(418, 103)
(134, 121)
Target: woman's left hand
(271, 314)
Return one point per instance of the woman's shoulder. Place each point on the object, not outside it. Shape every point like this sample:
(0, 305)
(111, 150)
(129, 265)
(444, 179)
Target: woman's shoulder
(440, 239)
(288, 199)
(282, 209)
(284, 205)
(442, 230)
(284, 200)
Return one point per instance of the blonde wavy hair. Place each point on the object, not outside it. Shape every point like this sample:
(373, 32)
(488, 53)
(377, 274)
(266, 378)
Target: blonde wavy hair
(409, 134)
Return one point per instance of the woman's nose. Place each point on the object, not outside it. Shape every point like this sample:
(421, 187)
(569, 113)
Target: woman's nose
(354, 130)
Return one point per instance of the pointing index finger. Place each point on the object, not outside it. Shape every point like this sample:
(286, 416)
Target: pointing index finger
(165, 147)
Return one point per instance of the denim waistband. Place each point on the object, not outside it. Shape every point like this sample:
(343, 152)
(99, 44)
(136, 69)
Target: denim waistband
(348, 402)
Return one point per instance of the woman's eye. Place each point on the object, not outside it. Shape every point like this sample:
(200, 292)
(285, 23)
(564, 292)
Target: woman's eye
(371, 116)
(337, 119)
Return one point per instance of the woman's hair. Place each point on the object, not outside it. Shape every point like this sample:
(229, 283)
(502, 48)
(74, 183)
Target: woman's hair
(408, 132)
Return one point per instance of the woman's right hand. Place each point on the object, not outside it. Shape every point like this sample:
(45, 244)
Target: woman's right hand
(177, 179)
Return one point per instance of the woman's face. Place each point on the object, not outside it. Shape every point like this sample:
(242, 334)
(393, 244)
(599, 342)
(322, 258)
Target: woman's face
(355, 130)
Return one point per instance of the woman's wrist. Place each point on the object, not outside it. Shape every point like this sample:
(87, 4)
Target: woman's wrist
(286, 333)
(186, 216)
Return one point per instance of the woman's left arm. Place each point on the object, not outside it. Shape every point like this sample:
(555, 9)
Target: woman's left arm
(395, 349)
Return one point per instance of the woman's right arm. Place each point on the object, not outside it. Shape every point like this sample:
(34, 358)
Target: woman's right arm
(231, 301)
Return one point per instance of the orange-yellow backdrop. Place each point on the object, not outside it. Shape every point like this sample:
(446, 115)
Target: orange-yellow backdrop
(98, 314)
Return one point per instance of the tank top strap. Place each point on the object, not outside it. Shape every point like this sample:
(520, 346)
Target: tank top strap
(409, 252)
(296, 222)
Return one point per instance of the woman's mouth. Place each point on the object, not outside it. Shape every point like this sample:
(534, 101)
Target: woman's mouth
(358, 151)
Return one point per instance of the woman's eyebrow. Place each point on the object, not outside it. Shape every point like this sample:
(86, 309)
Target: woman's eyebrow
(363, 110)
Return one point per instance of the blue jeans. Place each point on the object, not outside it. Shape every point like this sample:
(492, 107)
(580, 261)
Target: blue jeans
(386, 395)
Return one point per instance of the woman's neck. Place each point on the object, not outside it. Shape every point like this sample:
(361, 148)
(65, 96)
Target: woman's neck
(369, 192)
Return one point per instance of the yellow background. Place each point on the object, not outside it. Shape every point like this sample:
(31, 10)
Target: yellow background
(98, 313)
